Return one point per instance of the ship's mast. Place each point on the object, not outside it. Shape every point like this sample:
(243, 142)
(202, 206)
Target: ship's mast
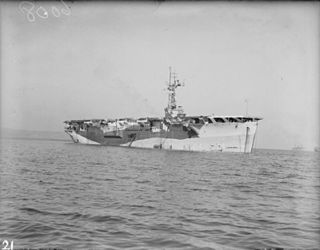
(172, 111)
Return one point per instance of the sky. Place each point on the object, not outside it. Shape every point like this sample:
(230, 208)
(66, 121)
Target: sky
(84, 60)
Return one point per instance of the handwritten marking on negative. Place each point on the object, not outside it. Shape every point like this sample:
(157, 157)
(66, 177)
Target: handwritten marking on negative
(32, 11)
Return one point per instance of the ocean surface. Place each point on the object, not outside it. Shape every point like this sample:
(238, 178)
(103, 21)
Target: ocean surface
(56, 194)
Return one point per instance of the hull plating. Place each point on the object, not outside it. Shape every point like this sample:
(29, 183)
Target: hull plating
(224, 137)
(77, 138)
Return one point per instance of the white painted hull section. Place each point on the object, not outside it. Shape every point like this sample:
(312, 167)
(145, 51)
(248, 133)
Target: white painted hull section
(233, 137)
(76, 138)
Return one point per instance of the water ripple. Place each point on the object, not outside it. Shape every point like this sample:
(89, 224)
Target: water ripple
(113, 198)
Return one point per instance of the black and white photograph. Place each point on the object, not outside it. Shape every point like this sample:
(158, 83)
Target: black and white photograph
(159, 125)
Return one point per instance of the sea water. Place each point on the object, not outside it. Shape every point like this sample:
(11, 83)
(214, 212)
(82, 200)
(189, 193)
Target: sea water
(56, 194)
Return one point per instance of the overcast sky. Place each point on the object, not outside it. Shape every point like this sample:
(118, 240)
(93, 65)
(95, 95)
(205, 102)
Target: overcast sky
(100, 60)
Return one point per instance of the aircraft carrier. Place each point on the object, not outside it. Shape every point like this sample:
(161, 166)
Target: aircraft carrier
(174, 131)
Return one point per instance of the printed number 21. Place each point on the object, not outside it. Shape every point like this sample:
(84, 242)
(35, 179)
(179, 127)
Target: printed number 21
(5, 243)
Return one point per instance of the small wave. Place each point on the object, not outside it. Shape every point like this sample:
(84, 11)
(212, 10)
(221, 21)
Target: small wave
(77, 216)
(72, 215)
(108, 179)
(163, 243)
(244, 232)
(96, 163)
(35, 230)
(295, 175)
(142, 206)
(199, 189)
(121, 234)
(241, 186)
(161, 190)
(143, 181)
(108, 218)
(275, 164)
(35, 211)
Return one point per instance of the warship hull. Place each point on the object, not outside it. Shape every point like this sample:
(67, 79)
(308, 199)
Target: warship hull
(215, 136)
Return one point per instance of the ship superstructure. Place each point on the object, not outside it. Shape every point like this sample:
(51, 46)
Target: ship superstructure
(175, 131)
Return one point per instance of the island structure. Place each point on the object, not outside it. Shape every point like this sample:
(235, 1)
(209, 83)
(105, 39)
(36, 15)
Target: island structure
(174, 131)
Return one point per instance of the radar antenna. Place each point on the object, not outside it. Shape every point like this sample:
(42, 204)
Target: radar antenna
(173, 113)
